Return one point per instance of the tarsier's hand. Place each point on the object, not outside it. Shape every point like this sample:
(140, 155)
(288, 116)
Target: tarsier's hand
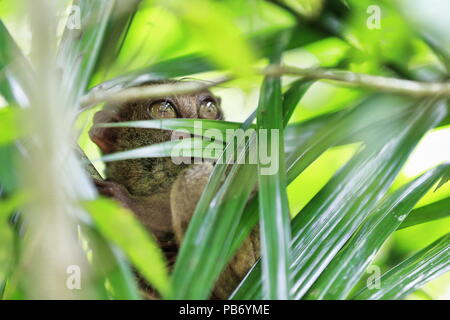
(152, 210)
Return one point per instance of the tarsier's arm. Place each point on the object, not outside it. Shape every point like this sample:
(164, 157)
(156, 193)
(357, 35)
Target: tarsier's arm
(185, 195)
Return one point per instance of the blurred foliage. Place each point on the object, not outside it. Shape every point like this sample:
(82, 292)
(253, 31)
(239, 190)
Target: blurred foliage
(8, 123)
(141, 249)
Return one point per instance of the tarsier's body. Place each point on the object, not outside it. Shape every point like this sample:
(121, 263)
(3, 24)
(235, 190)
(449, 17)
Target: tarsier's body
(162, 194)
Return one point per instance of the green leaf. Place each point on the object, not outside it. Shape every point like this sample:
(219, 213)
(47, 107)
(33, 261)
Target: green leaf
(414, 272)
(188, 147)
(273, 205)
(110, 267)
(197, 127)
(15, 70)
(444, 180)
(117, 29)
(345, 270)
(293, 96)
(8, 163)
(306, 141)
(7, 253)
(436, 210)
(8, 123)
(80, 47)
(364, 121)
(15, 78)
(8, 205)
(119, 226)
(333, 215)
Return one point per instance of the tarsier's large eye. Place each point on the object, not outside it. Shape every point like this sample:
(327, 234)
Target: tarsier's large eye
(162, 110)
(208, 110)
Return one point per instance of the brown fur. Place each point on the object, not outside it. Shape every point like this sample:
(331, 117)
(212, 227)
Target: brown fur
(162, 195)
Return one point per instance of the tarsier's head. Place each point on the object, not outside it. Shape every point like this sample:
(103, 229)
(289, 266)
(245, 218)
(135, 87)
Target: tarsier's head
(148, 175)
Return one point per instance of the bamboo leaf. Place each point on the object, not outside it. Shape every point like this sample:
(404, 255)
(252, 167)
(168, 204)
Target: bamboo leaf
(273, 205)
(133, 239)
(423, 266)
(274, 215)
(333, 215)
(445, 178)
(436, 210)
(306, 141)
(345, 270)
(293, 96)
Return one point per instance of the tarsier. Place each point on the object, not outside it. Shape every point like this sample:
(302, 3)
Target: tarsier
(162, 194)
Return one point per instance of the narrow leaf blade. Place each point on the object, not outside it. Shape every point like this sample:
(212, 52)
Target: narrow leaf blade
(345, 270)
(412, 273)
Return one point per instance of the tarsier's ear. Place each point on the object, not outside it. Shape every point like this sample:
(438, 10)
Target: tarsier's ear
(104, 138)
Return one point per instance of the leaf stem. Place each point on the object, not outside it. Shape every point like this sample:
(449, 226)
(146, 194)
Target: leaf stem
(373, 82)
(379, 83)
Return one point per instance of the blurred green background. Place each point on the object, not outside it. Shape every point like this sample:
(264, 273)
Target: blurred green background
(158, 33)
